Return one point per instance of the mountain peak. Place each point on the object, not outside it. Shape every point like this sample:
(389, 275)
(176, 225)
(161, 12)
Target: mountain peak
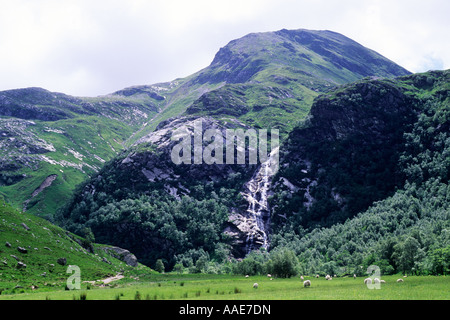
(321, 53)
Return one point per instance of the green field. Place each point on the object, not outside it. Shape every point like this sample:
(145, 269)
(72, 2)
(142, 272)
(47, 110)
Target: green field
(225, 287)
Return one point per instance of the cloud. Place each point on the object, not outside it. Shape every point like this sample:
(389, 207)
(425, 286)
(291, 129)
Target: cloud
(96, 47)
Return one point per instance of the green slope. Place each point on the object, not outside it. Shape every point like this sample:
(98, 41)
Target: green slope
(44, 134)
(45, 243)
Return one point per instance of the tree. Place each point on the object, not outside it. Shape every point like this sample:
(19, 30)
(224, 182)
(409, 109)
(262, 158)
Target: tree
(283, 263)
(159, 266)
(405, 253)
(440, 260)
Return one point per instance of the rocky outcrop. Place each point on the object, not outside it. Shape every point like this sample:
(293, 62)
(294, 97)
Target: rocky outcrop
(45, 184)
(345, 155)
(122, 254)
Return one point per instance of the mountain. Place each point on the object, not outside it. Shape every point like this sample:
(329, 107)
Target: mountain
(157, 209)
(51, 141)
(269, 79)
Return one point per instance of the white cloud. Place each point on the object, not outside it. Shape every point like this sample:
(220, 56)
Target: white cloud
(95, 47)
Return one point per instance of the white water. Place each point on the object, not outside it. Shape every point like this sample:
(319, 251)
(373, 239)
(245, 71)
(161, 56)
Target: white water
(258, 211)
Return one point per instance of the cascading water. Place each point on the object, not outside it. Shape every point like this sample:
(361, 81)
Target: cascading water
(258, 211)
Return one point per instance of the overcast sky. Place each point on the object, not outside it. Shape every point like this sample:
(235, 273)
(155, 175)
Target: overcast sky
(95, 47)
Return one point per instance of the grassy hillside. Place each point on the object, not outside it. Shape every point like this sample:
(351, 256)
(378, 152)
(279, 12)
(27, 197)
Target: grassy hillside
(44, 134)
(45, 243)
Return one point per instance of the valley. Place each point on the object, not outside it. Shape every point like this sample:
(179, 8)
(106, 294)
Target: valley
(361, 178)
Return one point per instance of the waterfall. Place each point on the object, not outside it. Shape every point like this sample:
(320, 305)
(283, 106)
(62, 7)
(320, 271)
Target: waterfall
(258, 211)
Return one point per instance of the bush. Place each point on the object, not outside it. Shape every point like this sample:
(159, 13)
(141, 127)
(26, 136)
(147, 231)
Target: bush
(283, 263)
(159, 266)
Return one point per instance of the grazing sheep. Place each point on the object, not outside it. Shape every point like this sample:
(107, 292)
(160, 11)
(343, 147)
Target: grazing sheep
(306, 283)
(246, 275)
(317, 276)
(376, 280)
(269, 276)
(301, 277)
(255, 286)
(368, 281)
(399, 280)
(382, 281)
(354, 276)
(328, 277)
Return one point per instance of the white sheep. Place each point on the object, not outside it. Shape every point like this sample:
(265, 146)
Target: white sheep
(399, 280)
(246, 275)
(255, 286)
(376, 280)
(306, 283)
(354, 276)
(301, 277)
(269, 276)
(368, 281)
(317, 276)
(328, 277)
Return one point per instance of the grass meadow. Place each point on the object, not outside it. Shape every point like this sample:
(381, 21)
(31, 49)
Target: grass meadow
(226, 287)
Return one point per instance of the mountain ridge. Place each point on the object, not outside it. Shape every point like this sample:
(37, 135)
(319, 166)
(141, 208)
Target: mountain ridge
(61, 140)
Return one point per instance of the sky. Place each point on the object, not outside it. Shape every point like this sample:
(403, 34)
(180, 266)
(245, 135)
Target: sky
(96, 47)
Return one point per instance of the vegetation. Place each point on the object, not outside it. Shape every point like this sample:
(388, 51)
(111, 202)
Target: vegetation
(363, 180)
(35, 255)
(228, 287)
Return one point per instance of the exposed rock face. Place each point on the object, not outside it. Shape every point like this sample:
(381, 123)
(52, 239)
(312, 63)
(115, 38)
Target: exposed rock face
(123, 255)
(45, 184)
(247, 220)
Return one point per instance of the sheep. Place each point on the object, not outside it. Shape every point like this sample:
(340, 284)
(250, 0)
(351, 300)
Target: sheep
(382, 281)
(328, 277)
(246, 275)
(306, 283)
(376, 280)
(301, 277)
(317, 276)
(269, 275)
(255, 285)
(368, 281)
(399, 280)
(354, 276)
